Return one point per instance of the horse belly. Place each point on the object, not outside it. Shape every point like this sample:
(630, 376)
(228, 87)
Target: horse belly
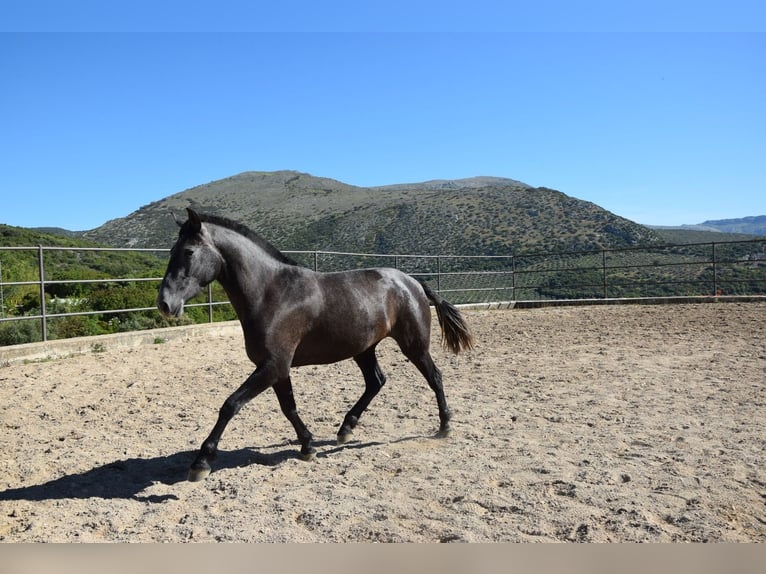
(319, 348)
(349, 334)
(359, 309)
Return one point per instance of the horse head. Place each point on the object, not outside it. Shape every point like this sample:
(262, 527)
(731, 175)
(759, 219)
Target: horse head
(194, 263)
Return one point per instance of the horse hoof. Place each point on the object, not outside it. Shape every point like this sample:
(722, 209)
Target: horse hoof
(310, 455)
(443, 433)
(344, 438)
(198, 474)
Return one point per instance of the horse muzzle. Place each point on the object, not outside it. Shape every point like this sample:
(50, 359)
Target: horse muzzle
(170, 306)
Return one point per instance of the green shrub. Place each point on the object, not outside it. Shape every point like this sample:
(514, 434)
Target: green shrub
(18, 332)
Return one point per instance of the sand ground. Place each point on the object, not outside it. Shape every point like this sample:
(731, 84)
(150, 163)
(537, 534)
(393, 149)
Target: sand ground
(582, 424)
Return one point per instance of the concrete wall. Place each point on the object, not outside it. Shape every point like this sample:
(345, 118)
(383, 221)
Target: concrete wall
(81, 345)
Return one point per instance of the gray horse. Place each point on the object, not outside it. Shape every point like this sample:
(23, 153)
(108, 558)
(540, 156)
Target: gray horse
(293, 316)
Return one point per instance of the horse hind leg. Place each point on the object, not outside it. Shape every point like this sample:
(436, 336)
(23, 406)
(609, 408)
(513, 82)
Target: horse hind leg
(284, 392)
(425, 364)
(374, 379)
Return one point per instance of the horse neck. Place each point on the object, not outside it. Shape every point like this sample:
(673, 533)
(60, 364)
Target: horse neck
(247, 267)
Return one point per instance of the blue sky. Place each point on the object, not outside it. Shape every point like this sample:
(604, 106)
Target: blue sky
(654, 111)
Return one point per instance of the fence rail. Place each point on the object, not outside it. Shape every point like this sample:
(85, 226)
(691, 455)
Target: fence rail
(712, 269)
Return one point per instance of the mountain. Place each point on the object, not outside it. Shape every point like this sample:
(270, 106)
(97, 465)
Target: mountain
(298, 211)
(57, 231)
(755, 225)
(751, 225)
(11, 236)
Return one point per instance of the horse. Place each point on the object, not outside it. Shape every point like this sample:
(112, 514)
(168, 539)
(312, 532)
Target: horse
(293, 316)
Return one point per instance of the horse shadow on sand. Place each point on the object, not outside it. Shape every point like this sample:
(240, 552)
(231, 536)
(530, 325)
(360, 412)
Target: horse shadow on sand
(128, 478)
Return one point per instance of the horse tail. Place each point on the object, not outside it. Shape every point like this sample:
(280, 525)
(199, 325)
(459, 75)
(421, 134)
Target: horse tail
(456, 335)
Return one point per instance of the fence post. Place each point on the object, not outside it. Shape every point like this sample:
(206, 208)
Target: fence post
(2, 298)
(513, 277)
(438, 274)
(715, 270)
(316, 261)
(41, 269)
(210, 302)
(603, 270)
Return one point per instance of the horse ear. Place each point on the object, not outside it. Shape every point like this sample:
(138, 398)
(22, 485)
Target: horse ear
(194, 220)
(179, 223)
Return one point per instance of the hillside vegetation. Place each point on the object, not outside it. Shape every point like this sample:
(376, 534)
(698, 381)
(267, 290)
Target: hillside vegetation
(694, 235)
(79, 262)
(297, 211)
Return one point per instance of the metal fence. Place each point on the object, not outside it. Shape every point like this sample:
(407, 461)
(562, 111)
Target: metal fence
(711, 269)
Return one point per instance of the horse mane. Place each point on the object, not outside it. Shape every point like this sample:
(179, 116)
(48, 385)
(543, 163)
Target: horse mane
(250, 234)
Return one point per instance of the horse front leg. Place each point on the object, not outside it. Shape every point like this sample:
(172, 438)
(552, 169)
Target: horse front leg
(261, 379)
(284, 390)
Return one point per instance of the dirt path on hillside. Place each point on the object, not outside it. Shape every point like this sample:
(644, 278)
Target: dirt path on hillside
(632, 423)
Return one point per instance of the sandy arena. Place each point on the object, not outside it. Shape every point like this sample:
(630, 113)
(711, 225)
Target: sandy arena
(577, 424)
